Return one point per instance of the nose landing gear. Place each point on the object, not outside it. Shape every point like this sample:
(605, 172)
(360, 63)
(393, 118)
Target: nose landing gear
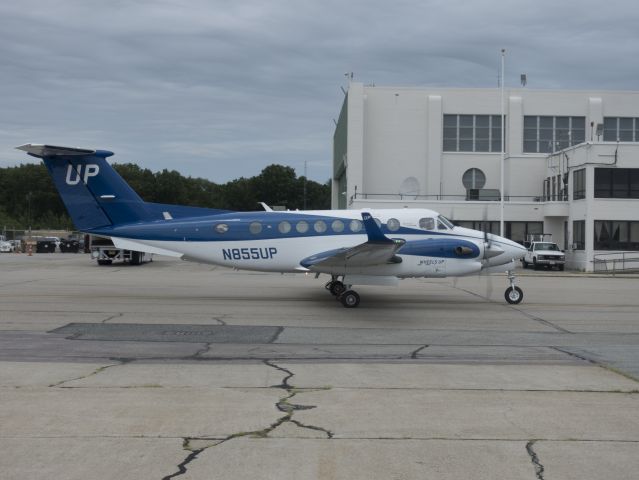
(513, 294)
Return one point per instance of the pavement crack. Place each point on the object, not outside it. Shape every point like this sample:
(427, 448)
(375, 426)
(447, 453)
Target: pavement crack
(414, 353)
(285, 385)
(202, 351)
(182, 467)
(283, 405)
(277, 334)
(600, 365)
(219, 318)
(94, 372)
(117, 315)
(534, 458)
(523, 312)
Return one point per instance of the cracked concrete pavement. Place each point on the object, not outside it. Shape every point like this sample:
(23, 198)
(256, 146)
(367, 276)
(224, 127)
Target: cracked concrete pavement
(177, 370)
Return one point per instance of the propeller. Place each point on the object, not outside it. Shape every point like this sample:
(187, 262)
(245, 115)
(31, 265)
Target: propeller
(488, 253)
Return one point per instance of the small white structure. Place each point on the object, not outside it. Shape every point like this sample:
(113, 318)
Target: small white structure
(571, 162)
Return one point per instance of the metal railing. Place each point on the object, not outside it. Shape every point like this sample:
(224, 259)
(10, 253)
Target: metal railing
(617, 262)
(461, 198)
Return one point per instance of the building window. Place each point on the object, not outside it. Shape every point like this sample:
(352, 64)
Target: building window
(545, 134)
(579, 234)
(472, 133)
(579, 184)
(616, 182)
(616, 235)
(473, 178)
(621, 129)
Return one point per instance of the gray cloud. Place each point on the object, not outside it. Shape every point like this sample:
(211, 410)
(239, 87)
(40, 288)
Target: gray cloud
(220, 89)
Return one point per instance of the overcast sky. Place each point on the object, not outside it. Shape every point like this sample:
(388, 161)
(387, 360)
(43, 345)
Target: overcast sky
(221, 89)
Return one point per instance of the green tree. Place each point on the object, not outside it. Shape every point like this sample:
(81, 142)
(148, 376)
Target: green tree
(29, 198)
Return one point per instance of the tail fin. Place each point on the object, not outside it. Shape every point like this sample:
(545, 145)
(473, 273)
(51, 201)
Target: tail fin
(93, 192)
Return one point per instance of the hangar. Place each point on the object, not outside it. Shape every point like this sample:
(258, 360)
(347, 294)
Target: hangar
(571, 162)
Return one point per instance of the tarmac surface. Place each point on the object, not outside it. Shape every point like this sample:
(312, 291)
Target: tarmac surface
(178, 370)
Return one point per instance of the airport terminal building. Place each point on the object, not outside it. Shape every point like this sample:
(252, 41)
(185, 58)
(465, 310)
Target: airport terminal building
(571, 163)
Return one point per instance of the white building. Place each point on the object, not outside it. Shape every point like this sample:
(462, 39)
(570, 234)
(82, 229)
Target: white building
(571, 161)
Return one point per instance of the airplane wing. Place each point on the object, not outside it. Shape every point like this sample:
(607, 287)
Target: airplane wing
(378, 250)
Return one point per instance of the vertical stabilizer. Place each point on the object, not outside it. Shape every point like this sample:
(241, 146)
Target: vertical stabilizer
(92, 191)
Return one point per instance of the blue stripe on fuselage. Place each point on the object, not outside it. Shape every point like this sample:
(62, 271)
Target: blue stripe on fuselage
(202, 229)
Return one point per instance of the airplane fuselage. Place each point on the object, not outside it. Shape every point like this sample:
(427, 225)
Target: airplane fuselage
(279, 241)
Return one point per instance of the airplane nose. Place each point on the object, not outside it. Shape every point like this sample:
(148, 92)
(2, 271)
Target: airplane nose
(511, 250)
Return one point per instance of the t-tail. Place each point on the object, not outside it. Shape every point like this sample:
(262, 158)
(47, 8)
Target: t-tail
(93, 192)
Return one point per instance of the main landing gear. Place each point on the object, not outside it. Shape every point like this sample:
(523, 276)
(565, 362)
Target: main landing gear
(513, 294)
(343, 293)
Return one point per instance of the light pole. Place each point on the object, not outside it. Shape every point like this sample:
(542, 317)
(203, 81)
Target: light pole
(503, 149)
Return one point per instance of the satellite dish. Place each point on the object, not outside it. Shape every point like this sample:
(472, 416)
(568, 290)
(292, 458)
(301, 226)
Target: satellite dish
(409, 186)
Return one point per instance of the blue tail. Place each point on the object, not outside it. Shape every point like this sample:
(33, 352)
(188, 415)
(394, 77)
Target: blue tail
(93, 192)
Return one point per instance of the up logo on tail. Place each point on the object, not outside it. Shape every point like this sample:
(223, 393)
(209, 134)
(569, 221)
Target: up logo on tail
(74, 174)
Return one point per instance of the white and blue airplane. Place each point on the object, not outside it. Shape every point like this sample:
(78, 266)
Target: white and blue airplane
(372, 247)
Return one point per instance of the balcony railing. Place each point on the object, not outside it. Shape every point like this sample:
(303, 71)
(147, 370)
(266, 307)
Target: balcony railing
(458, 198)
(617, 262)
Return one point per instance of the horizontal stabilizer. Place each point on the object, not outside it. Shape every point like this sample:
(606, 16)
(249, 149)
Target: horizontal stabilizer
(41, 151)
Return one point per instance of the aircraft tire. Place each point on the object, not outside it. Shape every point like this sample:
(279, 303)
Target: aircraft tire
(350, 299)
(514, 295)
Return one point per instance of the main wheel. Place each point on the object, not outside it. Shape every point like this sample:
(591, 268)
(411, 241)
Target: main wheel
(337, 288)
(524, 263)
(514, 295)
(535, 266)
(350, 299)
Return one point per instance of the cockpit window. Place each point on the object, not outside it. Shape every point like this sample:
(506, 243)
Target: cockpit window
(427, 223)
(441, 220)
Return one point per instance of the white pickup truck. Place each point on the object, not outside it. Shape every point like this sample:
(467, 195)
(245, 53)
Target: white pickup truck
(544, 254)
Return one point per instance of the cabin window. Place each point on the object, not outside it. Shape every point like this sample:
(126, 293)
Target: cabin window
(320, 226)
(221, 228)
(337, 226)
(255, 228)
(284, 227)
(302, 227)
(427, 223)
(392, 224)
(355, 226)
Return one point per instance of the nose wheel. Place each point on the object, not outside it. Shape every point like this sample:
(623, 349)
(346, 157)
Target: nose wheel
(513, 293)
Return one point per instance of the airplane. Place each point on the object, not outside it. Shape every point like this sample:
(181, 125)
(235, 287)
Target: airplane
(354, 247)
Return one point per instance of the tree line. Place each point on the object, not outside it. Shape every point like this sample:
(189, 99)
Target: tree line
(28, 197)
